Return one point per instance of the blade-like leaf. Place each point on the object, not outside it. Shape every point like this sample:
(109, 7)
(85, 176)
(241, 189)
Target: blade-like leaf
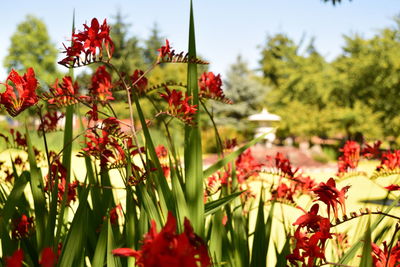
(39, 200)
(111, 260)
(14, 196)
(222, 162)
(101, 247)
(366, 257)
(194, 190)
(76, 237)
(260, 241)
(213, 206)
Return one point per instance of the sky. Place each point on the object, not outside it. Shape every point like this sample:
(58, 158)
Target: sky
(224, 28)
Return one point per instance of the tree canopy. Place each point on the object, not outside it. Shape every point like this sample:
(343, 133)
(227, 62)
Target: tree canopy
(31, 47)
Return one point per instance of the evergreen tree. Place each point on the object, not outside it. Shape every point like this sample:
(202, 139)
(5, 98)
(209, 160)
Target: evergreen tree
(31, 47)
(128, 55)
(154, 42)
(247, 94)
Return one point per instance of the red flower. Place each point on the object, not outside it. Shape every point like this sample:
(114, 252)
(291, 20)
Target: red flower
(22, 227)
(161, 151)
(393, 187)
(167, 249)
(283, 165)
(246, 166)
(21, 95)
(101, 86)
(282, 192)
(139, 84)
(210, 87)
(48, 258)
(311, 219)
(90, 42)
(61, 94)
(390, 160)
(179, 106)
(114, 214)
(331, 196)
(372, 151)
(164, 50)
(350, 157)
(16, 259)
(58, 171)
(50, 121)
(386, 258)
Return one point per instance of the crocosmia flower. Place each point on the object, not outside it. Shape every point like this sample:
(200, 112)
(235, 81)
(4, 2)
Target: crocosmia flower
(16, 259)
(211, 87)
(22, 227)
(169, 249)
(388, 257)
(48, 258)
(165, 50)
(179, 105)
(100, 89)
(331, 196)
(20, 92)
(90, 44)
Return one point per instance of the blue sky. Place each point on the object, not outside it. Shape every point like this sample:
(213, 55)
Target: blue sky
(224, 28)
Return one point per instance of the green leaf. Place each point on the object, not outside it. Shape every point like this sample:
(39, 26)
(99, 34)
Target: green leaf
(39, 200)
(281, 256)
(213, 206)
(366, 257)
(76, 237)
(101, 247)
(179, 196)
(222, 162)
(111, 260)
(194, 190)
(14, 196)
(262, 234)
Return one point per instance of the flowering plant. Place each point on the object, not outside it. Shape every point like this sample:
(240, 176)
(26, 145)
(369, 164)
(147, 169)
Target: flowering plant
(172, 212)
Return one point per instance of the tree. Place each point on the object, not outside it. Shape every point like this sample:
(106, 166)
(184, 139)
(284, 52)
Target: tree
(300, 86)
(128, 55)
(31, 47)
(368, 72)
(247, 94)
(154, 42)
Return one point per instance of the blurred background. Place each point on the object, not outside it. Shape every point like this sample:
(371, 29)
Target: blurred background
(330, 71)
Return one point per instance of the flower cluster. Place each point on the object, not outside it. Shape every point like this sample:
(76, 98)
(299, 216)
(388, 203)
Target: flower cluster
(388, 257)
(179, 105)
(22, 227)
(63, 94)
(349, 159)
(91, 43)
(167, 248)
(331, 196)
(310, 244)
(50, 121)
(47, 258)
(210, 87)
(139, 82)
(20, 92)
(297, 183)
(59, 172)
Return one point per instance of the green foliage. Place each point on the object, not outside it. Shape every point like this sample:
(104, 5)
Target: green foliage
(128, 54)
(247, 94)
(354, 94)
(31, 47)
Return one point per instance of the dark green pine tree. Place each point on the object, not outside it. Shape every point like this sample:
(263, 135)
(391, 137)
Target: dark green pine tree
(154, 42)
